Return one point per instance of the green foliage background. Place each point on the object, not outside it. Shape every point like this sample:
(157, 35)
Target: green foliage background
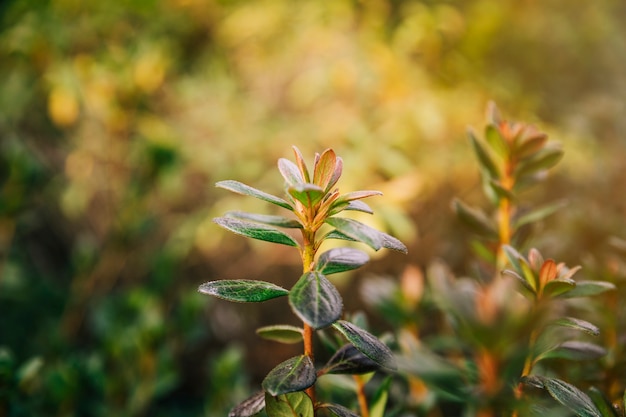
(116, 119)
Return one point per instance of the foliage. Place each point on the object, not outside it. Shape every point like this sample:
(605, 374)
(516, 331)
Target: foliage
(314, 200)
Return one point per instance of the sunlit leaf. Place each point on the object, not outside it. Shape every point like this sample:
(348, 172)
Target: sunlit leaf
(243, 290)
(357, 195)
(255, 231)
(250, 406)
(367, 343)
(496, 141)
(324, 169)
(294, 374)
(240, 188)
(290, 172)
(349, 360)
(589, 288)
(338, 410)
(294, 404)
(539, 213)
(340, 260)
(282, 333)
(484, 157)
(316, 300)
(366, 234)
(577, 324)
(307, 194)
(474, 219)
(267, 219)
(571, 397)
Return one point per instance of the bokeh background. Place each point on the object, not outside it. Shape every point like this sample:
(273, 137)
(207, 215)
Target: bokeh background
(117, 117)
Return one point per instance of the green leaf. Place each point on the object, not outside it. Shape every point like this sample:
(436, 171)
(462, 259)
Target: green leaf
(324, 172)
(269, 220)
(243, 290)
(357, 195)
(282, 333)
(315, 300)
(500, 191)
(577, 324)
(307, 194)
(496, 141)
(574, 350)
(336, 234)
(544, 159)
(475, 219)
(240, 188)
(359, 206)
(602, 402)
(255, 231)
(362, 233)
(349, 360)
(294, 374)
(290, 172)
(250, 406)
(340, 260)
(379, 400)
(295, 404)
(338, 410)
(526, 287)
(589, 288)
(571, 397)
(513, 256)
(367, 343)
(539, 214)
(484, 157)
(559, 286)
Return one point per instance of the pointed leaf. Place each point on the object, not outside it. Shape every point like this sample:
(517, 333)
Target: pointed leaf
(574, 350)
(315, 300)
(240, 188)
(250, 406)
(295, 404)
(307, 194)
(577, 324)
(357, 195)
(255, 231)
(589, 288)
(324, 169)
(500, 191)
(544, 159)
(242, 290)
(269, 220)
(379, 400)
(368, 235)
(338, 410)
(301, 164)
(496, 141)
(282, 333)
(602, 402)
(513, 256)
(340, 260)
(294, 374)
(484, 157)
(354, 205)
(290, 172)
(336, 234)
(531, 144)
(571, 397)
(539, 213)
(367, 343)
(559, 286)
(527, 289)
(475, 219)
(349, 360)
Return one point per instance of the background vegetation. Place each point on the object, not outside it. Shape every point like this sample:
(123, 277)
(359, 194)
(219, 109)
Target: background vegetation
(116, 119)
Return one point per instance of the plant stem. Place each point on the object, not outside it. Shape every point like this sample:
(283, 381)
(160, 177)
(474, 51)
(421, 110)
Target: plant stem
(360, 393)
(308, 256)
(505, 209)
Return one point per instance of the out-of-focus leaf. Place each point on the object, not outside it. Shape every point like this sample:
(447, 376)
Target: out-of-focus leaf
(255, 231)
(574, 350)
(544, 159)
(500, 191)
(496, 141)
(294, 374)
(571, 397)
(307, 194)
(240, 188)
(513, 256)
(282, 333)
(529, 290)
(602, 403)
(484, 157)
(577, 324)
(340, 260)
(589, 288)
(367, 343)
(267, 219)
(379, 400)
(316, 300)
(493, 114)
(349, 360)
(531, 144)
(243, 290)
(539, 213)
(558, 287)
(528, 273)
(301, 164)
(338, 410)
(324, 170)
(294, 404)
(250, 406)
(476, 220)
(290, 172)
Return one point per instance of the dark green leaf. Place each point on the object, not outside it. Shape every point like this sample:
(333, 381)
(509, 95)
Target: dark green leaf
(539, 213)
(365, 234)
(544, 159)
(282, 333)
(475, 219)
(290, 172)
(270, 220)
(250, 406)
(240, 188)
(243, 290)
(307, 194)
(574, 350)
(338, 410)
(255, 231)
(316, 300)
(589, 288)
(571, 397)
(577, 324)
(295, 404)
(349, 360)
(340, 260)
(295, 374)
(367, 343)
(496, 141)
(484, 157)
(602, 403)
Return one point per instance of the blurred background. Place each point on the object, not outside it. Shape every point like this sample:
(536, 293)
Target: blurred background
(117, 118)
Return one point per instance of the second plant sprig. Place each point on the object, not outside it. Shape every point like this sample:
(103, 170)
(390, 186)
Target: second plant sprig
(315, 201)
